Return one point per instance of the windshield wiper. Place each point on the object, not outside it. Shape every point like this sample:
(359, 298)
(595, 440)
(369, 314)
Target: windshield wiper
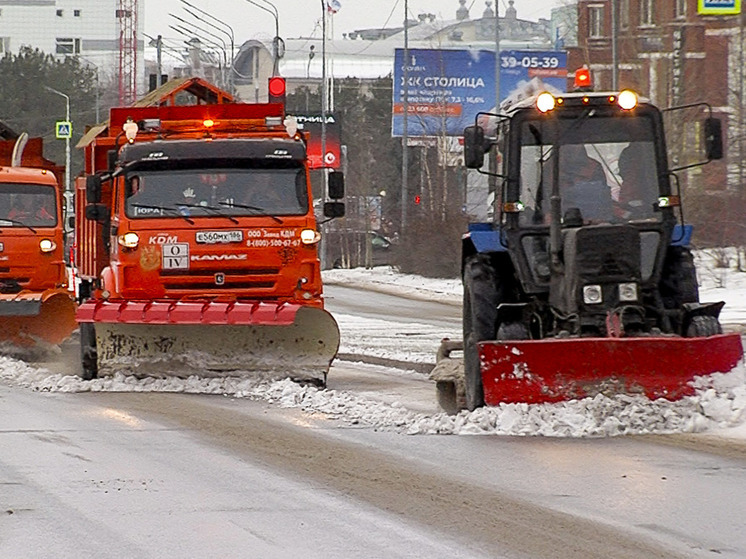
(21, 223)
(176, 211)
(262, 211)
(213, 209)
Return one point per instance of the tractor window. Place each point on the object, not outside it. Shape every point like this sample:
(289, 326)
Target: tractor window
(205, 192)
(606, 171)
(28, 205)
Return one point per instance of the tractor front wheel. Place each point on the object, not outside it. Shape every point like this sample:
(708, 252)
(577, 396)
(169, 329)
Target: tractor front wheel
(481, 297)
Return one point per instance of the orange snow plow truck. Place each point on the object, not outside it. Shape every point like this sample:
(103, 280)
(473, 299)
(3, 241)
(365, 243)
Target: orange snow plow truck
(197, 244)
(37, 310)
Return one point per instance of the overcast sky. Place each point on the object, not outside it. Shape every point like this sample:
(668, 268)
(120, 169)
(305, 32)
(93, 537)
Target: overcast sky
(301, 17)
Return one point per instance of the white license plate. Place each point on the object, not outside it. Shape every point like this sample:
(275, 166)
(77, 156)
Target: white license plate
(215, 237)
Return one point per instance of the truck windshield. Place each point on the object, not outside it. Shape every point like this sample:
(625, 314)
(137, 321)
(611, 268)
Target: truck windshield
(24, 205)
(211, 192)
(606, 169)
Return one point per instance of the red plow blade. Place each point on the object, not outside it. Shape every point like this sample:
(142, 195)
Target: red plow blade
(558, 370)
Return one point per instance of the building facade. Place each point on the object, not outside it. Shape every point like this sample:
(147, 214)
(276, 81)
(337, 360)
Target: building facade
(673, 55)
(90, 29)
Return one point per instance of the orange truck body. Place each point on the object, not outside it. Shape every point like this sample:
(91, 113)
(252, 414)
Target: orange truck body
(37, 308)
(239, 285)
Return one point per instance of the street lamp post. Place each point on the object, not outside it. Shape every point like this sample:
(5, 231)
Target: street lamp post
(226, 33)
(405, 125)
(276, 42)
(67, 140)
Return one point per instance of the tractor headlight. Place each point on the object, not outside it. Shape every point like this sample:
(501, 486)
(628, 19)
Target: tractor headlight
(627, 292)
(592, 294)
(129, 240)
(310, 236)
(47, 245)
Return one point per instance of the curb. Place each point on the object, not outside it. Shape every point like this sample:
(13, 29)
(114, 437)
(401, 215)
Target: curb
(424, 368)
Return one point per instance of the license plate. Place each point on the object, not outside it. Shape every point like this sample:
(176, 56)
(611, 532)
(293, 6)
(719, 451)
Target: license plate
(215, 237)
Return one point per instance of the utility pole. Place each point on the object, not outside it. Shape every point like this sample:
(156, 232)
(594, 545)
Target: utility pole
(614, 48)
(405, 124)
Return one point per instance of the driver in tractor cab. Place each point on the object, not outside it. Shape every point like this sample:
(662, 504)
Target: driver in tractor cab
(583, 186)
(638, 189)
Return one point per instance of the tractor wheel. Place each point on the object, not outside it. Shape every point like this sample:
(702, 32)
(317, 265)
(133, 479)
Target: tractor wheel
(513, 331)
(481, 297)
(703, 326)
(679, 280)
(88, 354)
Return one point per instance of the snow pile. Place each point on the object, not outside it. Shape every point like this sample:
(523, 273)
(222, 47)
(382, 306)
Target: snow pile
(720, 402)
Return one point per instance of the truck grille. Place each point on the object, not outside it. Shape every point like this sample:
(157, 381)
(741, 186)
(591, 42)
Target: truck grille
(244, 279)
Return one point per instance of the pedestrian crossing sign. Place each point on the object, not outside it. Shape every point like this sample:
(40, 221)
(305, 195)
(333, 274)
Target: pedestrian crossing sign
(64, 130)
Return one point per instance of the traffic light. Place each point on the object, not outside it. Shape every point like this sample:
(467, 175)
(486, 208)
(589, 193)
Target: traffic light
(277, 90)
(417, 199)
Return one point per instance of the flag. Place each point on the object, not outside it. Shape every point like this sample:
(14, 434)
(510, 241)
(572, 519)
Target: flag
(333, 6)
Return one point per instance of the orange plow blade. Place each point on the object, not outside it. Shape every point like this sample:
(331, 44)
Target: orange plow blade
(35, 320)
(558, 370)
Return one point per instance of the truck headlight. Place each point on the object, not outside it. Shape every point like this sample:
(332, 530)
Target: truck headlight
(592, 294)
(628, 292)
(47, 245)
(129, 240)
(310, 236)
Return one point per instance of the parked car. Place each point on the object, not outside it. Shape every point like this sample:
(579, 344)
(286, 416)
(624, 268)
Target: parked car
(348, 249)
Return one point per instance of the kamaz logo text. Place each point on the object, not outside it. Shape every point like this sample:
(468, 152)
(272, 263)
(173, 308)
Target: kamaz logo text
(217, 257)
(162, 240)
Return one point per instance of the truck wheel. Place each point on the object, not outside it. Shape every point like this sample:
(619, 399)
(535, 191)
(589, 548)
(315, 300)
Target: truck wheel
(88, 353)
(479, 320)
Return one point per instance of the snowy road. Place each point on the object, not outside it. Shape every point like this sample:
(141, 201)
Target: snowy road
(115, 467)
(183, 476)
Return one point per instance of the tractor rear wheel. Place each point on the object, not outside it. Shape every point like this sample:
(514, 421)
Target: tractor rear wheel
(481, 297)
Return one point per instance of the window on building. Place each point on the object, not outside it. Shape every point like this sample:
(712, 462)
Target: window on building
(67, 46)
(679, 7)
(595, 21)
(624, 14)
(646, 12)
(59, 13)
(76, 13)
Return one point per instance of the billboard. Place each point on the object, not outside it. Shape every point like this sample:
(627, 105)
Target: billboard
(526, 72)
(447, 88)
(312, 124)
(719, 7)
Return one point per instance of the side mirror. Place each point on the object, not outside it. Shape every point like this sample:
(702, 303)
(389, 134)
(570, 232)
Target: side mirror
(336, 185)
(474, 147)
(97, 212)
(713, 138)
(334, 209)
(93, 189)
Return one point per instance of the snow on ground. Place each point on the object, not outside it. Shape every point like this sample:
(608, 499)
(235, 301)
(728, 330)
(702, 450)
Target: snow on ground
(719, 405)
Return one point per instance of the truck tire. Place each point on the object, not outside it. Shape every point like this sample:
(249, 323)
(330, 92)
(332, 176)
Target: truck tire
(481, 297)
(88, 354)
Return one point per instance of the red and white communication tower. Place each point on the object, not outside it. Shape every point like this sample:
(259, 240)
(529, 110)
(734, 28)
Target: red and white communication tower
(127, 16)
